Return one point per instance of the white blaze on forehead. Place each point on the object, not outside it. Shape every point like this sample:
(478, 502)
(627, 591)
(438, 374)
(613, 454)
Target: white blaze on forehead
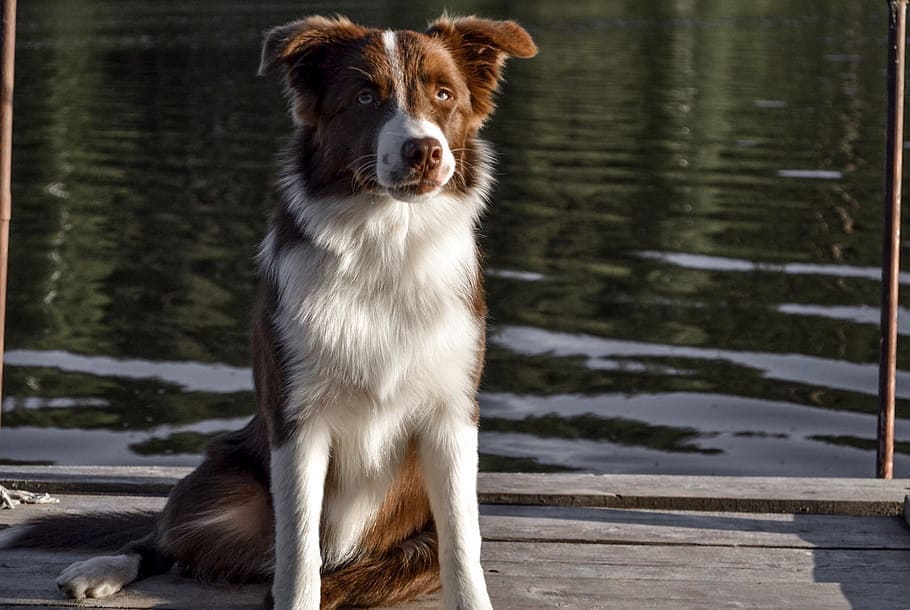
(390, 42)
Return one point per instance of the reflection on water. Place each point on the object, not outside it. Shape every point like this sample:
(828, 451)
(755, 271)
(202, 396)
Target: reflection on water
(719, 263)
(189, 376)
(605, 354)
(682, 255)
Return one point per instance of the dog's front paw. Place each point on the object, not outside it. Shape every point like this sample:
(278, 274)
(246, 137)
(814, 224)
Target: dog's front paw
(98, 576)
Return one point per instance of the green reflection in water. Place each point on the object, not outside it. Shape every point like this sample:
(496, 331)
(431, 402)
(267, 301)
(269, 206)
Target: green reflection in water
(189, 442)
(112, 404)
(177, 442)
(613, 429)
(869, 444)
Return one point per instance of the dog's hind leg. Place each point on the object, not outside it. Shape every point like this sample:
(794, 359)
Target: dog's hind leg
(217, 523)
(219, 528)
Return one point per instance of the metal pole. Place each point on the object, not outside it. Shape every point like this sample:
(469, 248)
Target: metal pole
(894, 148)
(6, 158)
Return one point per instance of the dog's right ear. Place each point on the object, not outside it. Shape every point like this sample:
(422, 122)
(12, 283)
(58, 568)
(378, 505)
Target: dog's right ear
(301, 48)
(294, 42)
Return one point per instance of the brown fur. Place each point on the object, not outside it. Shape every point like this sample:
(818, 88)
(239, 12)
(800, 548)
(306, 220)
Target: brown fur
(269, 374)
(405, 511)
(401, 573)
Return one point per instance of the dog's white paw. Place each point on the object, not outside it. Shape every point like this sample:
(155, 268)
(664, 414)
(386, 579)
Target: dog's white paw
(99, 576)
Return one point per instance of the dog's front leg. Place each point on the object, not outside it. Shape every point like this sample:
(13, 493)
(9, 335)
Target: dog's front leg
(298, 471)
(448, 456)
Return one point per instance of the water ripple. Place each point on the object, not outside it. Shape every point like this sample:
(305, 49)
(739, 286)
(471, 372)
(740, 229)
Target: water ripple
(703, 262)
(190, 376)
(822, 372)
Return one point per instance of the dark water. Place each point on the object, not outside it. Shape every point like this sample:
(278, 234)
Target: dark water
(682, 253)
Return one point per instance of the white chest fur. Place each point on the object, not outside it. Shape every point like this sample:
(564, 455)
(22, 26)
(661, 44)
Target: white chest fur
(375, 317)
(379, 305)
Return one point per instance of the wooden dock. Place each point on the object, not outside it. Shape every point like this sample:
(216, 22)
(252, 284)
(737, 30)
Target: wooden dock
(572, 541)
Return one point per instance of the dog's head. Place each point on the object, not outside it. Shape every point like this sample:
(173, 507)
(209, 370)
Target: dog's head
(392, 112)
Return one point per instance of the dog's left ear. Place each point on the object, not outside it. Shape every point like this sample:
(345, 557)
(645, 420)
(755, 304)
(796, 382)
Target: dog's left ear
(481, 47)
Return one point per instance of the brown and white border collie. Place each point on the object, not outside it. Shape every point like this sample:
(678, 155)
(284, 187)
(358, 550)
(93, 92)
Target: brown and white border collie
(355, 483)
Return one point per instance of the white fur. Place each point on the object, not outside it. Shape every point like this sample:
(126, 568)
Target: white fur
(368, 445)
(372, 309)
(390, 42)
(448, 456)
(298, 470)
(99, 576)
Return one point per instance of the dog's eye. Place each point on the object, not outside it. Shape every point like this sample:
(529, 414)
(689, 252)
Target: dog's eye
(443, 95)
(365, 97)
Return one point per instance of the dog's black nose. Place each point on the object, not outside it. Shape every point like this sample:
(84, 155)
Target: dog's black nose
(422, 153)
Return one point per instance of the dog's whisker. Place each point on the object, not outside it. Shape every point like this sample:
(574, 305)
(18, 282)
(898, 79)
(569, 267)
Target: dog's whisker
(461, 180)
(370, 158)
(363, 175)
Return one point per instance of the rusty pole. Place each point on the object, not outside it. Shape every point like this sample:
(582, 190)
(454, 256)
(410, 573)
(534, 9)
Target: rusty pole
(6, 158)
(894, 148)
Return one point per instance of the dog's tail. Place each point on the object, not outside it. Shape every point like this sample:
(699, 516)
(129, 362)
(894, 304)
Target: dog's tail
(86, 531)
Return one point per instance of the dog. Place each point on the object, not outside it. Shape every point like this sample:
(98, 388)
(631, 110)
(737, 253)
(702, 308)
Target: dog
(355, 482)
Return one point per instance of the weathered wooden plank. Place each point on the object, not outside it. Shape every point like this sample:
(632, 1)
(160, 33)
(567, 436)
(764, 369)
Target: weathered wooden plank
(575, 575)
(28, 578)
(126, 480)
(610, 526)
(563, 553)
(700, 493)
(621, 594)
(82, 504)
(603, 525)
(679, 563)
(521, 594)
(657, 492)
(681, 577)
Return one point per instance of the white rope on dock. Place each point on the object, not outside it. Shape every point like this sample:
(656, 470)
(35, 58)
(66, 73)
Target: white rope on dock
(11, 498)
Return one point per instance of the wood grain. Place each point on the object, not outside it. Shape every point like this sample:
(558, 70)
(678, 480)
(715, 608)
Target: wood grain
(563, 546)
